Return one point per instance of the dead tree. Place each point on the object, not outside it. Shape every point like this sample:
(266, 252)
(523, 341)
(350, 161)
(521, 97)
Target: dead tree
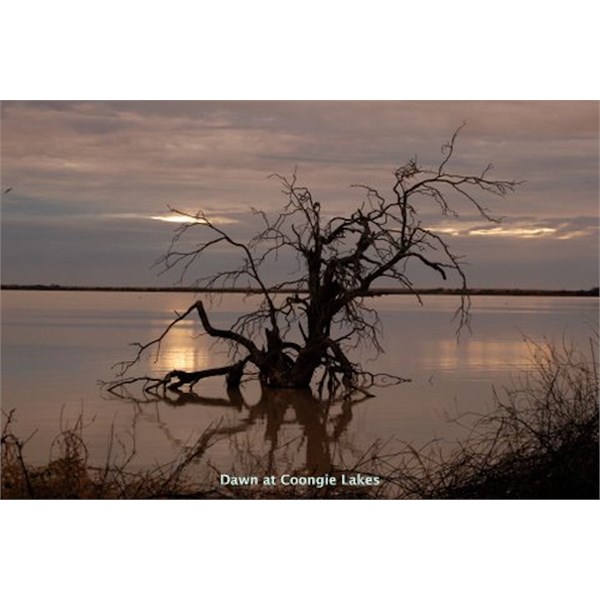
(305, 326)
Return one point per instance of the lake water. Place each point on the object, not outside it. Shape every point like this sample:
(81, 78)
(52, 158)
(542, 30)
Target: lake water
(57, 345)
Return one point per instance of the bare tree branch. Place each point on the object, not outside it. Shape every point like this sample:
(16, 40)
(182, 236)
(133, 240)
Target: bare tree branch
(340, 259)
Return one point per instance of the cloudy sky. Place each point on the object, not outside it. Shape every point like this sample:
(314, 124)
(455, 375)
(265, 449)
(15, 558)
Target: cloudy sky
(92, 181)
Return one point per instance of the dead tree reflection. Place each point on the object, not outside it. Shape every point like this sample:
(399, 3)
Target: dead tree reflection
(322, 424)
(176, 397)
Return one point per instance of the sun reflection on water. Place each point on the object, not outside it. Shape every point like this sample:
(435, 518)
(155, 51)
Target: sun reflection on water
(476, 355)
(183, 349)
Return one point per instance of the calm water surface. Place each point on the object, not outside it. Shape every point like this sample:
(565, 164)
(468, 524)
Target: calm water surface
(57, 345)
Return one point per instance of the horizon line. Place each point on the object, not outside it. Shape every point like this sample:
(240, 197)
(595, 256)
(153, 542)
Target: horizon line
(380, 291)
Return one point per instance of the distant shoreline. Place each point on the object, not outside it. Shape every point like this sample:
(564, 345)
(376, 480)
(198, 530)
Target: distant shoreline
(593, 292)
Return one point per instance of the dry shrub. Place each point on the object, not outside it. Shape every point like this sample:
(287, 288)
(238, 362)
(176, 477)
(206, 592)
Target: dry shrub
(68, 475)
(539, 441)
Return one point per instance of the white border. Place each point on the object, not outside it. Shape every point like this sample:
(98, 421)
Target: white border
(235, 50)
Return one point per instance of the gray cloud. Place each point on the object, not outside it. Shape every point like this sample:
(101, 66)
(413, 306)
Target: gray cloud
(76, 166)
